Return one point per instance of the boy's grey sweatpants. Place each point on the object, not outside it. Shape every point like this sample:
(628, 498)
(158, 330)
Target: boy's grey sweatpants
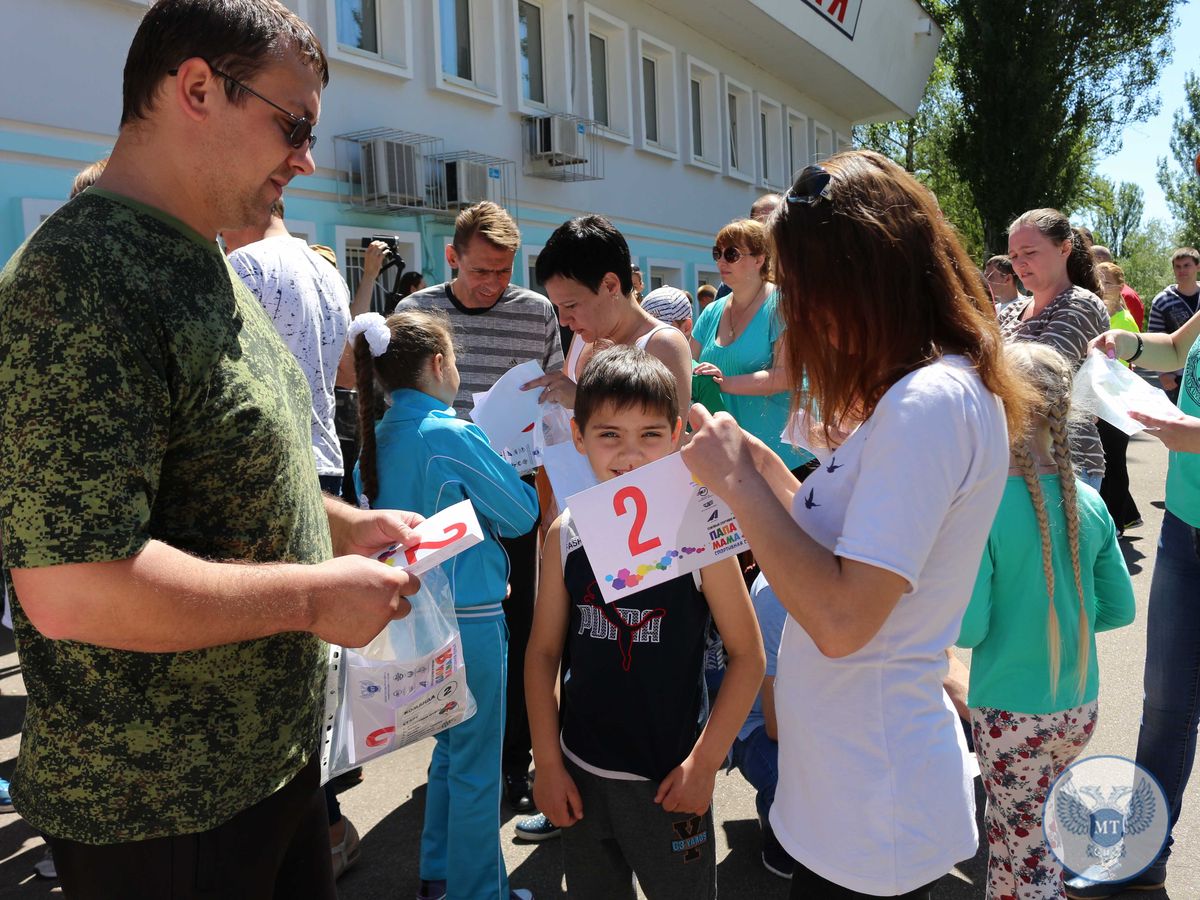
(624, 833)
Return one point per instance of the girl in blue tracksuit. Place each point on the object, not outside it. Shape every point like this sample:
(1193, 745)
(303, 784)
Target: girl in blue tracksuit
(421, 457)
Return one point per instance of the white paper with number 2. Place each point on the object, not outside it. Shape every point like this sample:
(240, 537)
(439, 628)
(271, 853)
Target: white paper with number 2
(651, 525)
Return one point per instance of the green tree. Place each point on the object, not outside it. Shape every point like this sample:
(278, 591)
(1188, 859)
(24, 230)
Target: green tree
(920, 144)
(1179, 181)
(1045, 87)
(1117, 214)
(1147, 260)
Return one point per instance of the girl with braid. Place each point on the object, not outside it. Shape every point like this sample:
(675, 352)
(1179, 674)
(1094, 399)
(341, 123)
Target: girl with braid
(420, 456)
(1034, 678)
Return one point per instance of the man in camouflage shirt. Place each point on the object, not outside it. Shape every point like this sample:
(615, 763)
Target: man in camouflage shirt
(172, 556)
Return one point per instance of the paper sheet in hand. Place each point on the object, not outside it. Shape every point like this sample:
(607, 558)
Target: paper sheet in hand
(512, 418)
(447, 534)
(651, 525)
(1107, 389)
(569, 471)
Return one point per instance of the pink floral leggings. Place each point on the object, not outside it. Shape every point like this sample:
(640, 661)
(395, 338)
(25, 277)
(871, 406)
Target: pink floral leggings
(1020, 755)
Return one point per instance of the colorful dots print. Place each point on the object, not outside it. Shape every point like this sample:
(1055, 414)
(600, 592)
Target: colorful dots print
(627, 579)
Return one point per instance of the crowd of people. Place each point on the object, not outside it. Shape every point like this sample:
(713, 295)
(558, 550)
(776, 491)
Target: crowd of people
(205, 446)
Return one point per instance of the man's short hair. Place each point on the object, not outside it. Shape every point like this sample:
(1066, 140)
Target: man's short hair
(1100, 253)
(626, 376)
(764, 205)
(238, 37)
(1000, 263)
(585, 249)
(491, 222)
(87, 177)
(705, 290)
(1188, 252)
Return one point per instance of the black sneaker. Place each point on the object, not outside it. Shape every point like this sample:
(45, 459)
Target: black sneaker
(519, 793)
(774, 858)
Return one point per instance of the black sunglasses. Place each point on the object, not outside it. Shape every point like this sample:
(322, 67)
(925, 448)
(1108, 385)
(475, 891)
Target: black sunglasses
(302, 130)
(731, 254)
(812, 185)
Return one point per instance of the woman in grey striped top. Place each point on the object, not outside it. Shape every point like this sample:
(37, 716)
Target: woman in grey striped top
(1056, 267)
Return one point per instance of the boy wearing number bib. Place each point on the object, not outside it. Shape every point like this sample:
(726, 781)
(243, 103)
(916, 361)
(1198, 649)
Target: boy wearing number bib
(629, 776)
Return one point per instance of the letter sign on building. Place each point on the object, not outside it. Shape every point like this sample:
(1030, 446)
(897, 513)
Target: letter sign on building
(842, 14)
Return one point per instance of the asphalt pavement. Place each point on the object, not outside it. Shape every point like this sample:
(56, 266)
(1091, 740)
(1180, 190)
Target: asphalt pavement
(387, 806)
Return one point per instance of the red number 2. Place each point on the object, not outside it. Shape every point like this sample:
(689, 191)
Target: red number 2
(636, 545)
(452, 533)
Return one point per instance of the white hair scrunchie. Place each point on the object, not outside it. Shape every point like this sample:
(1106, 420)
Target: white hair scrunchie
(374, 327)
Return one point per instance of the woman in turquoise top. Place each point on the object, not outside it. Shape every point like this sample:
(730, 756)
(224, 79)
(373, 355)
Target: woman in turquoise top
(420, 456)
(1034, 678)
(736, 340)
(1171, 705)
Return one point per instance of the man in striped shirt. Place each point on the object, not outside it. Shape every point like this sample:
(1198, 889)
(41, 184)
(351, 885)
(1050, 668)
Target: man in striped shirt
(498, 325)
(1176, 305)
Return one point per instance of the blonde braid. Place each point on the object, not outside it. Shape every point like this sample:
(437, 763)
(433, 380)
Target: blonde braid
(1023, 453)
(1057, 418)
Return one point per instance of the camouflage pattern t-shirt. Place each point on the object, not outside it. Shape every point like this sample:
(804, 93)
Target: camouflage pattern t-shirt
(144, 394)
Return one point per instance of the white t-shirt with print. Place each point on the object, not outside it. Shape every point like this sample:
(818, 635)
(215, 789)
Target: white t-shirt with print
(309, 303)
(875, 789)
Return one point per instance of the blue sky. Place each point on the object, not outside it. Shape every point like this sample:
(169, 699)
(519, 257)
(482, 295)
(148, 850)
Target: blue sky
(1144, 142)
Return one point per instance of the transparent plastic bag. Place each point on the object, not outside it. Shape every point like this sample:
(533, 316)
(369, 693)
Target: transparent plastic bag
(410, 682)
(1106, 388)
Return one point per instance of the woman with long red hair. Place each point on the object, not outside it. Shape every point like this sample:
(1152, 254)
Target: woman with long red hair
(875, 556)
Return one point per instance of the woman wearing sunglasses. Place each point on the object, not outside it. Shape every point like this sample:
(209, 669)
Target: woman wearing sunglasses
(737, 341)
(875, 556)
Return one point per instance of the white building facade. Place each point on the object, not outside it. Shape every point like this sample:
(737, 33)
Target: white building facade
(668, 116)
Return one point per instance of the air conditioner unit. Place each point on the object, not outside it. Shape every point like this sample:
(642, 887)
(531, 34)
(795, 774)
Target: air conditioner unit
(393, 174)
(559, 141)
(466, 183)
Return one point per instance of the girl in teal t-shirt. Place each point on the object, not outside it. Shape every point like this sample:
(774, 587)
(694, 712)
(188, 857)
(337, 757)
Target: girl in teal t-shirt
(1052, 575)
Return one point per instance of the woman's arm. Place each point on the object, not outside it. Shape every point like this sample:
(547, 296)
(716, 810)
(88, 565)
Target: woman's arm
(842, 603)
(1160, 352)
(554, 791)
(670, 346)
(688, 788)
(756, 384)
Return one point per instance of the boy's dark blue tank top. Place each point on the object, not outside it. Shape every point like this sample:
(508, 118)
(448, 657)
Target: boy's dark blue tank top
(634, 687)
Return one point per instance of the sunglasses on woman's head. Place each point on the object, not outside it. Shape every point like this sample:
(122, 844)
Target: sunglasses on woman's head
(812, 185)
(731, 254)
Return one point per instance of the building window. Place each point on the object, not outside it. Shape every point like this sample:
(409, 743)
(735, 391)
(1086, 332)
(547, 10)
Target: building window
(373, 34)
(797, 143)
(533, 82)
(650, 98)
(770, 139)
(598, 48)
(658, 93)
(467, 58)
(732, 113)
(358, 25)
(822, 142)
(456, 38)
(740, 125)
(704, 114)
(609, 65)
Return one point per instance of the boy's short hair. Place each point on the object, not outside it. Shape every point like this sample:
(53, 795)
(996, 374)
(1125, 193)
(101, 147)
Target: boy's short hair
(491, 222)
(585, 249)
(1186, 253)
(1001, 264)
(626, 376)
